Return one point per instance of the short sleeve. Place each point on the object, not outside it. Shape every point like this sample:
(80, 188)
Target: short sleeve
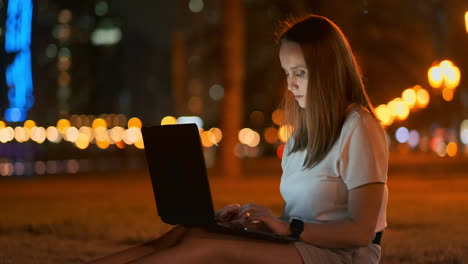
(363, 152)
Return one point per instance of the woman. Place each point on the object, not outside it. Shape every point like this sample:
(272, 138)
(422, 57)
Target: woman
(334, 169)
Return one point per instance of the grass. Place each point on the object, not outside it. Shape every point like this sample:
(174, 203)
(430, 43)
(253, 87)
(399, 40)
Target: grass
(73, 219)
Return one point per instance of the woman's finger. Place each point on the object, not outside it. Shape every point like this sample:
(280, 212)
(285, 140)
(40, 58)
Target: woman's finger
(227, 212)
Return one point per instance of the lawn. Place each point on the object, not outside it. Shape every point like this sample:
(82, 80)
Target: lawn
(73, 219)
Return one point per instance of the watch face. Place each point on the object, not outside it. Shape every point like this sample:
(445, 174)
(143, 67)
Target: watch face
(297, 226)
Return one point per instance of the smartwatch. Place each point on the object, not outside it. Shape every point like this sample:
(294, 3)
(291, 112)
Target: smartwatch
(296, 226)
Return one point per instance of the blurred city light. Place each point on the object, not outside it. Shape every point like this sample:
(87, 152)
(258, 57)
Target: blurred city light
(435, 76)
(413, 139)
(466, 21)
(168, 120)
(277, 116)
(284, 133)
(71, 134)
(53, 134)
(464, 131)
(101, 8)
(29, 124)
(18, 73)
(64, 16)
(402, 135)
(249, 137)
(216, 135)
(106, 36)
(452, 149)
(99, 122)
(189, 120)
(196, 6)
(217, 92)
(422, 97)
(384, 114)
(134, 122)
(271, 135)
(409, 96)
(447, 94)
(445, 75)
(280, 151)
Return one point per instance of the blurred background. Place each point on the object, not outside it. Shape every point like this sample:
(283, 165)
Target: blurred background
(78, 80)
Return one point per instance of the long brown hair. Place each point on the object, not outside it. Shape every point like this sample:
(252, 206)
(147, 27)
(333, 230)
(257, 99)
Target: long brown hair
(335, 81)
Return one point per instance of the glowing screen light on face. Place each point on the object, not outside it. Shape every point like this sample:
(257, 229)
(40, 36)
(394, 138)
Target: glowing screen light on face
(18, 73)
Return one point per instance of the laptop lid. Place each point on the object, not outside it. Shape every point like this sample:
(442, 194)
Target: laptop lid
(178, 174)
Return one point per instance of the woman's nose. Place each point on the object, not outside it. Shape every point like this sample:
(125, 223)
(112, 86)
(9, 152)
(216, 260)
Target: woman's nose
(292, 84)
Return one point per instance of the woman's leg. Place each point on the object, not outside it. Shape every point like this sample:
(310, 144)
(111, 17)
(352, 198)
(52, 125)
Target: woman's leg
(169, 239)
(199, 246)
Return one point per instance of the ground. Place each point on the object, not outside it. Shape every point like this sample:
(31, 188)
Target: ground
(76, 218)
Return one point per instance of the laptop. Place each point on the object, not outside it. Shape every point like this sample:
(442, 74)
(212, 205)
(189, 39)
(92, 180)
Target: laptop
(180, 183)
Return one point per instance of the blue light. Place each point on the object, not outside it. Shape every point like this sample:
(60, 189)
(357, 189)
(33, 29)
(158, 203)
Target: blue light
(18, 25)
(15, 115)
(19, 74)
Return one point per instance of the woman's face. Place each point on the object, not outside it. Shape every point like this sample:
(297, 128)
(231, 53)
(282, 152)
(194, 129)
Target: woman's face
(295, 68)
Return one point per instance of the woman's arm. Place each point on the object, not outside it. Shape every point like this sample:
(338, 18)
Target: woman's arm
(356, 230)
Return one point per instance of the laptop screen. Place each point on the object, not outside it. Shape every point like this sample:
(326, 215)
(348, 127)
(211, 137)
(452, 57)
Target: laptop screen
(178, 174)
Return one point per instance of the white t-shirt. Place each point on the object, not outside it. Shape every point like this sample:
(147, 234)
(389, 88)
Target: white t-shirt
(358, 157)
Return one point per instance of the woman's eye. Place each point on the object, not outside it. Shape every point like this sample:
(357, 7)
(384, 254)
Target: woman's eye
(300, 74)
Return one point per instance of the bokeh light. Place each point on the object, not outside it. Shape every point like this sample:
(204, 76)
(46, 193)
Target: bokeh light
(249, 137)
(435, 76)
(402, 134)
(99, 122)
(38, 134)
(196, 6)
(284, 132)
(116, 133)
(217, 92)
(216, 135)
(447, 94)
(21, 134)
(464, 131)
(29, 124)
(409, 96)
(278, 116)
(452, 149)
(82, 142)
(71, 134)
(168, 120)
(134, 122)
(53, 134)
(62, 125)
(422, 97)
(6, 134)
(271, 135)
(280, 151)
(384, 114)
(190, 120)
(206, 139)
(413, 139)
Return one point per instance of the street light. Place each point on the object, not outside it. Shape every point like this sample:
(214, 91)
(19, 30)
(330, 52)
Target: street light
(444, 75)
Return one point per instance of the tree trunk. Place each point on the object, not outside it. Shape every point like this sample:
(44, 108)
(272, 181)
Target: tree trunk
(233, 74)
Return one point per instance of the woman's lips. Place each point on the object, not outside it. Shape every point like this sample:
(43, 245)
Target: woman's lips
(298, 96)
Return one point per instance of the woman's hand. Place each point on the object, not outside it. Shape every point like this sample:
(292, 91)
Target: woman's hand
(260, 217)
(255, 212)
(228, 214)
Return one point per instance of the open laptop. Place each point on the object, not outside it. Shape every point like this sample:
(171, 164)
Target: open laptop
(180, 183)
